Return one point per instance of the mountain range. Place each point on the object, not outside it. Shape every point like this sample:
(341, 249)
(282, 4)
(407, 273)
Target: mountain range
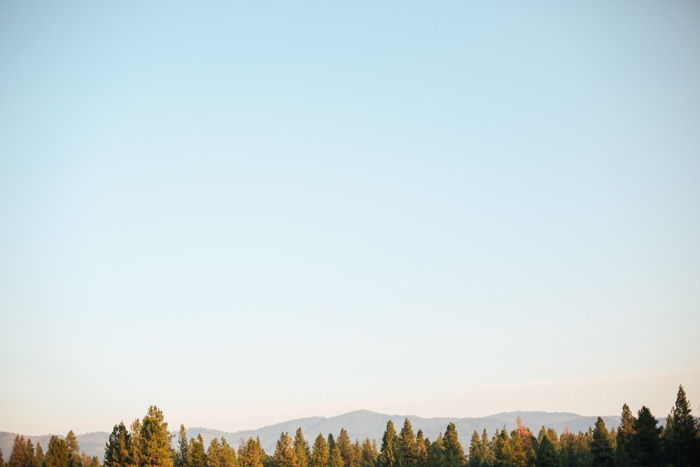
(359, 424)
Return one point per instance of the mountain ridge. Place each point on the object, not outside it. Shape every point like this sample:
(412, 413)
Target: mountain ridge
(360, 424)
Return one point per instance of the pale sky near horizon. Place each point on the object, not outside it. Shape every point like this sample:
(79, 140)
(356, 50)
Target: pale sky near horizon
(246, 213)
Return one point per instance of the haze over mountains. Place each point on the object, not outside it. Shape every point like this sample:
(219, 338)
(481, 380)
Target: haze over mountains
(359, 424)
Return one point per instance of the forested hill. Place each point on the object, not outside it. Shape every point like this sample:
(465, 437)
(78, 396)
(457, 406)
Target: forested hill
(360, 424)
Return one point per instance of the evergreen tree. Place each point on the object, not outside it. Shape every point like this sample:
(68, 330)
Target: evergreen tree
(321, 453)
(196, 456)
(436, 453)
(30, 453)
(408, 447)
(301, 449)
(476, 450)
(546, 454)
(369, 454)
(57, 454)
(155, 440)
(74, 450)
(331, 442)
(119, 452)
(421, 449)
(345, 447)
(95, 462)
(503, 450)
(646, 447)
(682, 437)
(251, 454)
(214, 456)
(454, 454)
(336, 458)
(600, 447)
(624, 436)
(387, 455)
(136, 441)
(19, 457)
(38, 458)
(182, 449)
(285, 455)
(228, 454)
(488, 459)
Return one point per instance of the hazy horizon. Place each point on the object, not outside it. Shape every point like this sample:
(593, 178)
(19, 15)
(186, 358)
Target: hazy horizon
(247, 213)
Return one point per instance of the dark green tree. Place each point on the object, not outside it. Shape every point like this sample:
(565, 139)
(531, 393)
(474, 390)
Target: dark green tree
(682, 435)
(387, 455)
(321, 454)
(503, 450)
(546, 453)
(624, 437)
(408, 446)
(285, 456)
(646, 444)
(301, 448)
(436, 453)
(454, 454)
(119, 452)
(57, 454)
(601, 449)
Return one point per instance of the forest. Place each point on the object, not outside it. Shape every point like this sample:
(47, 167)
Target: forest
(638, 441)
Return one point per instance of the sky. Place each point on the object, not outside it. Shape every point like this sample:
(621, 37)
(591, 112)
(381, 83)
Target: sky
(249, 212)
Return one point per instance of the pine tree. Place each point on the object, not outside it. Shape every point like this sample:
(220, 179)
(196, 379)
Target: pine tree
(331, 442)
(436, 453)
(646, 447)
(119, 451)
(408, 447)
(196, 456)
(214, 456)
(251, 454)
(321, 453)
(136, 441)
(182, 449)
(503, 450)
(95, 462)
(600, 447)
(546, 454)
(422, 449)
(454, 454)
(624, 436)
(19, 457)
(476, 450)
(682, 438)
(155, 440)
(285, 455)
(345, 446)
(228, 454)
(57, 454)
(301, 449)
(369, 454)
(335, 459)
(486, 448)
(31, 457)
(74, 450)
(387, 455)
(38, 458)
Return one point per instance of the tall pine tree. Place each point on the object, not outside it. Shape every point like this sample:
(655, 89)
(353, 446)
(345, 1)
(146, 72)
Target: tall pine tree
(646, 444)
(301, 448)
(387, 455)
(408, 447)
(284, 452)
(601, 449)
(682, 434)
(155, 440)
(454, 454)
(320, 455)
(119, 452)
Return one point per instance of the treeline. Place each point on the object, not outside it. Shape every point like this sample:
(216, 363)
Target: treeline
(60, 453)
(637, 441)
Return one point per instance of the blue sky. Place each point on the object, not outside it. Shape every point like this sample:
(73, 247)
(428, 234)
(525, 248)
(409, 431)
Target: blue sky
(248, 213)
